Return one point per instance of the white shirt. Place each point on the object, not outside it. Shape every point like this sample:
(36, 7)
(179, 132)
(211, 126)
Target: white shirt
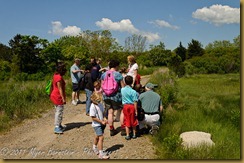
(132, 69)
(96, 111)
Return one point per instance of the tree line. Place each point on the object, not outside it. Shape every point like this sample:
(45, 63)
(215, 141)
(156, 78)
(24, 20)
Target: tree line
(32, 58)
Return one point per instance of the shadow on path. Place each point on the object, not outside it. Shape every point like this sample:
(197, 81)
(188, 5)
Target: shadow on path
(114, 148)
(70, 126)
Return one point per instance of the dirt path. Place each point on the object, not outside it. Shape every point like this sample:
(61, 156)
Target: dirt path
(34, 139)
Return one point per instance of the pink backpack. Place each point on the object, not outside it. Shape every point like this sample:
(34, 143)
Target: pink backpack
(109, 85)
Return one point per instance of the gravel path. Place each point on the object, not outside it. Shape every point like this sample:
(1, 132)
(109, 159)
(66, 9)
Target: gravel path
(34, 139)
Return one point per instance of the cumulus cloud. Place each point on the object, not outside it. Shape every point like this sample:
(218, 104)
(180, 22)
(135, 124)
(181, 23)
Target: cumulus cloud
(126, 25)
(58, 29)
(218, 14)
(162, 23)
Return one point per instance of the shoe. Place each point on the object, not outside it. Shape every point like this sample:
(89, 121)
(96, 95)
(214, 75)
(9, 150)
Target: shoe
(122, 132)
(62, 127)
(127, 137)
(134, 137)
(74, 103)
(95, 150)
(78, 101)
(154, 130)
(58, 130)
(113, 132)
(88, 114)
(103, 156)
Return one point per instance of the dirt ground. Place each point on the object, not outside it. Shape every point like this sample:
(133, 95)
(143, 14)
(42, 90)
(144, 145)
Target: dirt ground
(35, 139)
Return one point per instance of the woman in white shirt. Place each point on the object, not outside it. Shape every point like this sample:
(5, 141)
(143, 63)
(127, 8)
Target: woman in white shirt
(132, 68)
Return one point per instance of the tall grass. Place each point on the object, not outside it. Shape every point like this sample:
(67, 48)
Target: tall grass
(208, 103)
(24, 100)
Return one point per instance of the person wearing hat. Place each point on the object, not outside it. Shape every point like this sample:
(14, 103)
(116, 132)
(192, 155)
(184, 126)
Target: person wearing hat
(151, 103)
(76, 74)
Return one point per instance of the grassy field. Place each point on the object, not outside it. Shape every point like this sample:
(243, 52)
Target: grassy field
(208, 103)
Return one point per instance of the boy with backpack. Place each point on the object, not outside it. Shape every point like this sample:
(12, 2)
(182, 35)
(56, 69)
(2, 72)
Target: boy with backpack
(111, 82)
(129, 101)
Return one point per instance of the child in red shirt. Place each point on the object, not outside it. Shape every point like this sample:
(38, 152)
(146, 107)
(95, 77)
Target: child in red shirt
(58, 96)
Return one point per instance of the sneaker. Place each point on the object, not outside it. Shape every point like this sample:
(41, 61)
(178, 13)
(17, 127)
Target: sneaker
(127, 137)
(103, 156)
(74, 102)
(113, 132)
(154, 130)
(95, 150)
(78, 101)
(58, 130)
(122, 132)
(62, 127)
(134, 137)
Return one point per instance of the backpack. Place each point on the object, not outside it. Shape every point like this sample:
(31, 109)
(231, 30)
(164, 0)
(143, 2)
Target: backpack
(109, 85)
(82, 82)
(49, 87)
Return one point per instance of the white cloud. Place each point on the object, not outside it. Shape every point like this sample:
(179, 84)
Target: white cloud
(126, 25)
(58, 29)
(218, 14)
(162, 23)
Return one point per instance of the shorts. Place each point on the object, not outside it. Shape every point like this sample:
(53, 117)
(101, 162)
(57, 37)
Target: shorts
(130, 119)
(112, 104)
(99, 130)
(75, 87)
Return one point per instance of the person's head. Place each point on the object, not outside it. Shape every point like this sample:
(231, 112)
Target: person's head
(149, 86)
(128, 80)
(93, 61)
(114, 64)
(123, 70)
(131, 59)
(60, 68)
(97, 84)
(96, 97)
(138, 87)
(77, 61)
(99, 61)
(88, 67)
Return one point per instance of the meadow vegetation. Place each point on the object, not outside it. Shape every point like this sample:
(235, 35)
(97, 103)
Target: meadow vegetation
(208, 103)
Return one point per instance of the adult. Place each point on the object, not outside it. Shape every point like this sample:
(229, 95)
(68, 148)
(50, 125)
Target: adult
(58, 96)
(133, 69)
(151, 103)
(113, 102)
(76, 74)
(95, 70)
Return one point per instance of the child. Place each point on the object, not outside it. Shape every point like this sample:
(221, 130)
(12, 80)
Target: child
(97, 86)
(58, 96)
(129, 101)
(98, 123)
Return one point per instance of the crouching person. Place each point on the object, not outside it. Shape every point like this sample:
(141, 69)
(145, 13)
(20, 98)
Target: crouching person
(151, 103)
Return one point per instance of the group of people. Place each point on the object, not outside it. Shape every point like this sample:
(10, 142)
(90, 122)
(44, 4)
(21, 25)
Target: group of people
(126, 99)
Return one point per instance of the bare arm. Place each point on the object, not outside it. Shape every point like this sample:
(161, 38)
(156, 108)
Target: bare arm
(61, 91)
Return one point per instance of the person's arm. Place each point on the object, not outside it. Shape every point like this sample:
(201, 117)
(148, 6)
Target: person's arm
(134, 77)
(160, 106)
(135, 105)
(97, 120)
(62, 93)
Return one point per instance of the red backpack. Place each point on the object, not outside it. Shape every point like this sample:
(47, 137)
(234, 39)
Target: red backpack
(110, 85)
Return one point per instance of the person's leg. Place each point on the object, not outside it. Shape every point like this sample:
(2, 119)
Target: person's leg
(122, 124)
(58, 118)
(88, 100)
(95, 144)
(110, 118)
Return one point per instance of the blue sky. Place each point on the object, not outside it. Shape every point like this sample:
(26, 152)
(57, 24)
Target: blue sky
(168, 21)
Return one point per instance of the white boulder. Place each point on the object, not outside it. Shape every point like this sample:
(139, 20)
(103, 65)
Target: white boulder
(194, 139)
